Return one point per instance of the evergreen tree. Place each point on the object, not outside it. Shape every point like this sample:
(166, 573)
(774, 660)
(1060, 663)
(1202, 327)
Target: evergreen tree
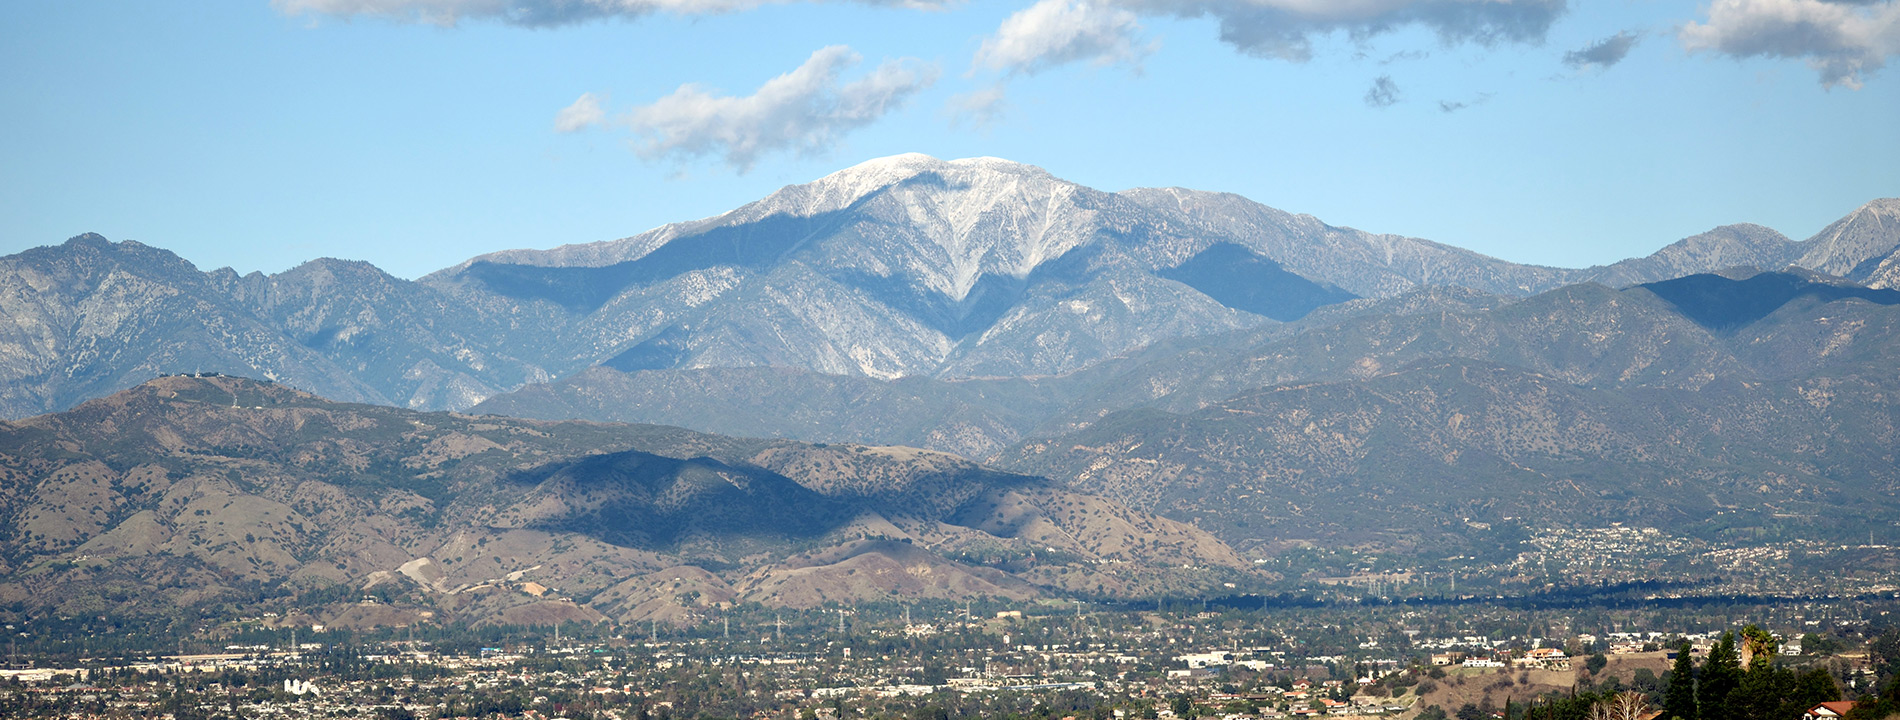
(1809, 688)
(1679, 696)
(1775, 693)
(1721, 675)
(1814, 687)
(1761, 692)
(1884, 705)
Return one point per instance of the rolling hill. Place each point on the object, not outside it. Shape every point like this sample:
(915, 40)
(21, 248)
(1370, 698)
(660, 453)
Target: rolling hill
(188, 492)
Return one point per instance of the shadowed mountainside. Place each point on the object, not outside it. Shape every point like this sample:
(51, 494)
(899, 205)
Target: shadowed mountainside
(1675, 334)
(1783, 423)
(185, 491)
(1675, 402)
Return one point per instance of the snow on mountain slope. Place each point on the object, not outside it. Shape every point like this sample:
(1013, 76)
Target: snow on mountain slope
(1854, 247)
(910, 265)
(899, 266)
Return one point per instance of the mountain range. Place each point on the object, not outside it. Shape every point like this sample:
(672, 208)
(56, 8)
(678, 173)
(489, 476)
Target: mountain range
(901, 267)
(1163, 377)
(1580, 407)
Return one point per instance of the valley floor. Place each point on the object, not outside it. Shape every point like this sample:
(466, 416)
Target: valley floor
(1039, 661)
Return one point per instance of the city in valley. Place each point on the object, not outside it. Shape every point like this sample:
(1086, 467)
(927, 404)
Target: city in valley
(1346, 646)
(933, 359)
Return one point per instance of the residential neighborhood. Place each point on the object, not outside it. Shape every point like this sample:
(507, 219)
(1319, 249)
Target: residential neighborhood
(1035, 661)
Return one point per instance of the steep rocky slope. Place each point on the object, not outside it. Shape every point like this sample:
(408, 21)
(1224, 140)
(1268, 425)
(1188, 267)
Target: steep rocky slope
(900, 267)
(91, 317)
(1857, 246)
(1395, 431)
(903, 266)
(1678, 334)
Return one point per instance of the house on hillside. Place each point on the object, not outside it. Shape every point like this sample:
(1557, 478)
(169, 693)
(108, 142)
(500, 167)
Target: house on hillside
(1547, 658)
(1828, 710)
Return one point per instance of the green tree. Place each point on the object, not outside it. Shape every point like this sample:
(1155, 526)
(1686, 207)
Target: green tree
(1774, 693)
(1884, 705)
(1596, 663)
(1817, 644)
(1645, 679)
(1679, 696)
(1884, 651)
(1760, 693)
(1721, 674)
(1814, 687)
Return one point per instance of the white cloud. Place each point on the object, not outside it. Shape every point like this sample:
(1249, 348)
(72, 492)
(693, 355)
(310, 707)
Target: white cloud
(1057, 32)
(1845, 41)
(583, 114)
(532, 13)
(1285, 29)
(805, 110)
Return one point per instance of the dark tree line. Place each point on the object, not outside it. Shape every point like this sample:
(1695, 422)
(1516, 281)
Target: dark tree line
(1723, 689)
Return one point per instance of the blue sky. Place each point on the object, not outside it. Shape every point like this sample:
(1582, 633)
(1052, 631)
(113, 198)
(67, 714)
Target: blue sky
(257, 135)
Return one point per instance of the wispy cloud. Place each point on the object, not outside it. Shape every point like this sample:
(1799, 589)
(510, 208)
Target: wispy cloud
(978, 108)
(583, 114)
(530, 13)
(1452, 106)
(1844, 40)
(1383, 93)
(1603, 53)
(1405, 56)
(806, 110)
(1058, 32)
(1285, 29)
